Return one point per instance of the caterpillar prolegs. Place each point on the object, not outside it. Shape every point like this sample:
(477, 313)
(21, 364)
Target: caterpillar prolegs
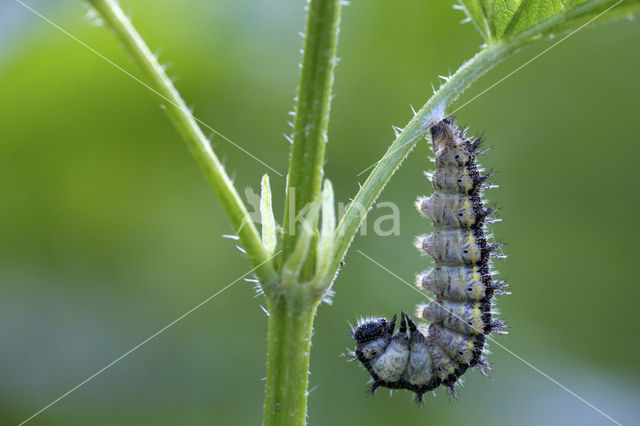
(420, 358)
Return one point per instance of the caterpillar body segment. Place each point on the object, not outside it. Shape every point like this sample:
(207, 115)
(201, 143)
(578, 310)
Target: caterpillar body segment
(450, 211)
(453, 247)
(461, 316)
(456, 283)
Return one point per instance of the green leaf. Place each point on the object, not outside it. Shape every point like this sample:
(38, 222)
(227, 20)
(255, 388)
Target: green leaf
(325, 242)
(269, 234)
(475, 11)
(499, 20)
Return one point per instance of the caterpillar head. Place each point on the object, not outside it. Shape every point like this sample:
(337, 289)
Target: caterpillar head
(372, 336)
(370, 329)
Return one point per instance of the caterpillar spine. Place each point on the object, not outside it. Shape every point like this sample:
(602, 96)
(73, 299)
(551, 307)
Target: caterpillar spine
(418, 358)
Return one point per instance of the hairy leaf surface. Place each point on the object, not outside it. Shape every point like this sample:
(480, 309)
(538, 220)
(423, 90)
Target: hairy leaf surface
(506, 19)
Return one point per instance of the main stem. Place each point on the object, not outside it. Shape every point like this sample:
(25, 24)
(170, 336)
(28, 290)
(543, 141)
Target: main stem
(312, 114)
(292, 311)
(289, 346)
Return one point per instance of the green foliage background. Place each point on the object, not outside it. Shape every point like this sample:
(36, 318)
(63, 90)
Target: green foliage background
(108, 230)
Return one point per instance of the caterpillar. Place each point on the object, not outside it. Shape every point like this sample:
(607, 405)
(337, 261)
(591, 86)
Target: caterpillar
(421, 358)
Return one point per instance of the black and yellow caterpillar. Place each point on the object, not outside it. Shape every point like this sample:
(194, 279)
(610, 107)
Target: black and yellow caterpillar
(461, 316)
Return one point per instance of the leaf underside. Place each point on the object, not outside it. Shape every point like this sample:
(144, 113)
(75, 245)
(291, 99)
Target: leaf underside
(506, 19)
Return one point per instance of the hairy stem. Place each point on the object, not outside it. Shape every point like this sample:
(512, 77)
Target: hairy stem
(289, 346)
(187, 127)
(292, 311)
(312, 114)
(495, 52)
(430, 113)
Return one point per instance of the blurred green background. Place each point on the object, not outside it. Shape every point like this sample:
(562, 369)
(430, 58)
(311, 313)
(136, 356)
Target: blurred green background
(108, 231)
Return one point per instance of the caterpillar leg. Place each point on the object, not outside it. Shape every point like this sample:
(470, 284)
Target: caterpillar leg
(374, 386)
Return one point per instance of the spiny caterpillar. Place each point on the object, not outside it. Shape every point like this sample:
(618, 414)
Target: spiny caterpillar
(461, 316)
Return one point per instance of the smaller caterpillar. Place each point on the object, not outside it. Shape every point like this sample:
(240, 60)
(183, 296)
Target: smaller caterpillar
(461, 317)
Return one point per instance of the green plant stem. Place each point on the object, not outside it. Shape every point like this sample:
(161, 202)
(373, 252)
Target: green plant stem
(312, 113)
(433, 110)
(430, 113)
(289, 346)
(292, 312)
(183, 120)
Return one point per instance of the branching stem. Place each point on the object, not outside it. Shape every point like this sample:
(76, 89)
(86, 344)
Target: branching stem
(183, 120)
(495, 52)
(431, 112)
